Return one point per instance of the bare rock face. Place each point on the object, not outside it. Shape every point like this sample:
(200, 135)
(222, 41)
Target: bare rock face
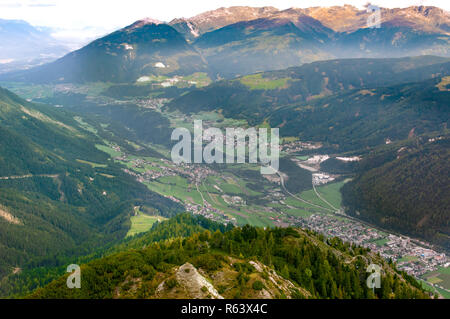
(143, 22)
(212, 20)
(188, 282)
(8, 217)
(348, 18)
(196, 286)
(345, 18)
(275, 283)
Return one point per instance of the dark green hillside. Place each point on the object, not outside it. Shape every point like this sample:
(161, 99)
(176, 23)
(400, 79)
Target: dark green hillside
(37, 137)
(126, 120)
(367, 118)
(238, 263)
(59, 195)
(40, 273)
(298, 179)
(406, 189)
(122, 56)
(255, 97)
(181, 225)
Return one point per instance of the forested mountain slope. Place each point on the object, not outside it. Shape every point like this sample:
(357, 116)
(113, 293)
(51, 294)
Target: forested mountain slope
(58, 193)
(406, 189)
(243, 262)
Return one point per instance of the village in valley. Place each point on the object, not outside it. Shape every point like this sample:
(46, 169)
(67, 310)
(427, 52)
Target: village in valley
(416, 258)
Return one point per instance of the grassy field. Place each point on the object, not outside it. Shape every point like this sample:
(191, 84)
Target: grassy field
(257, 82)
(229, 184)
(288, 139)
(298, 212)
(92, 164)
(85, 125)
(302, 205)
(311, 196)
(244, 214)
(141, 222)
(200, 79)
(330, 192)
(109, 150)
(381, 242)
(176, 186)
(444, 85)
(428, 287)
(408, 259)
(440, 277)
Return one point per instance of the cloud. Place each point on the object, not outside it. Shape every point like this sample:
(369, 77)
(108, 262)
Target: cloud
(26, 3)
(37, 5)
(10, 5)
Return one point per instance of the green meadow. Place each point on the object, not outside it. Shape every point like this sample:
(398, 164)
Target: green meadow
(141, 222)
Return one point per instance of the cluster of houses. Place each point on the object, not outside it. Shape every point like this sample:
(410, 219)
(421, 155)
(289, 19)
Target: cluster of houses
(207, 211)
(297, 146)
(321, 178)
(155, 104)
(416, 258)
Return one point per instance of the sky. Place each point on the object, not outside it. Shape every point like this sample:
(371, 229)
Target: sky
(83, 20)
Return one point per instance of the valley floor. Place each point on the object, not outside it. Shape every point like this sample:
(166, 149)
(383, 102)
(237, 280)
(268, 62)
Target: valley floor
(227, 197)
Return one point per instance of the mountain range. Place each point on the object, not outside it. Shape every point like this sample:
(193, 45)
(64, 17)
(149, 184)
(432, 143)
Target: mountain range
(345, 18)
(240, 40)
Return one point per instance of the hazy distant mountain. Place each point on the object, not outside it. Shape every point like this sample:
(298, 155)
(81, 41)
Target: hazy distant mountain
(262, 44)
(144, 48)
(322, 33)
(23, 45)
(235, 41)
